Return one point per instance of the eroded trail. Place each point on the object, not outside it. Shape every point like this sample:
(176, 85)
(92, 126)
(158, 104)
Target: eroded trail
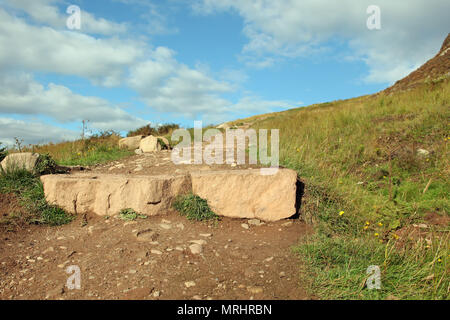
(235, 262)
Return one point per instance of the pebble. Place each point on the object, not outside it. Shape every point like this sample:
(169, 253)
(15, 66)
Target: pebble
(206, 235)
(245, 226)
(254, 290)
(196, 248)
(255, 222)
(189, 284)
(200, 242)
(154, 251)
(165, 226)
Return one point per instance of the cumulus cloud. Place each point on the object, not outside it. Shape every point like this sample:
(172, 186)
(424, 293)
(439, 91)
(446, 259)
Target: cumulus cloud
(40, 48)
(32, 132)
(20, 94)
(169, 86)
(411, 32)
(159, 79)
(46, 12)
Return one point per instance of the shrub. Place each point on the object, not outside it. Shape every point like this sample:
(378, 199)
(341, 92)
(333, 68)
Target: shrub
(194, 208)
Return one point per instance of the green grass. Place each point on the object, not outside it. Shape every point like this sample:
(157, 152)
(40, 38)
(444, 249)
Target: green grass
(360, 156)
(194, 208)
(30, 192)
(94, 156)
(337, 268)
(130, 215)
(97, 149)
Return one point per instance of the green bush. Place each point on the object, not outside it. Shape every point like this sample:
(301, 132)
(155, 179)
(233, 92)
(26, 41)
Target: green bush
(194, 208)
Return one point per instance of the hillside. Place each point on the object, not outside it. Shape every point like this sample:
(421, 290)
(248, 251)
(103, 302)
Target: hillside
(376, 175)
(431, 71)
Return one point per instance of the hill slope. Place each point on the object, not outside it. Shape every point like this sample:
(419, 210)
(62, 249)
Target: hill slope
(375, 168)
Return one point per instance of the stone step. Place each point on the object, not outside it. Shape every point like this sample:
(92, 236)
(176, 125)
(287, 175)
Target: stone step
(107, 195)
(230, 193)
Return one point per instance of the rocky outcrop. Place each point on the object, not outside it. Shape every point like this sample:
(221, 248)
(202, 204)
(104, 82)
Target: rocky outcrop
(108, 194)
(130, 143)
(247, 193)
(24, 160)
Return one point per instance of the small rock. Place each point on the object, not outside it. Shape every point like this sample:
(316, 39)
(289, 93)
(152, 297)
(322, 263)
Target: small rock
(138, 151)
(165, 226)
(254, 290)
(245, 226)
(282, 274)
(200, 242)
(49, 249)
(180, 226)
(196, 248)
(255, 222)
(154, 251)
(206, 235)
(156, 294)
(189, 284)
(422, 152)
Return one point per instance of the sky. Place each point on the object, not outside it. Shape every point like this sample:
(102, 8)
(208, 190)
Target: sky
(137, 62)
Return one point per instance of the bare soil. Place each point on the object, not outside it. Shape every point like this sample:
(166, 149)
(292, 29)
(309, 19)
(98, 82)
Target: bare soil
(236, 263)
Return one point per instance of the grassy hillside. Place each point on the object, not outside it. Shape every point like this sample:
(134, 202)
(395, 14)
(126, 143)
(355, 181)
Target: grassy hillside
(367, 182)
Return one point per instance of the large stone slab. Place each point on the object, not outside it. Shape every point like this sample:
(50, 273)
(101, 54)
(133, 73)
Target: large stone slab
(150, 144)
(24, 160)
(130, 143)
(247, 193)
(108, 194)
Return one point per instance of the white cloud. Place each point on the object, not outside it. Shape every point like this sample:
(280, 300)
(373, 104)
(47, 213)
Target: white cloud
(22, 95)
(169, 86)
(32, 132)
(411, 32)
(46, 12)
(45, 49)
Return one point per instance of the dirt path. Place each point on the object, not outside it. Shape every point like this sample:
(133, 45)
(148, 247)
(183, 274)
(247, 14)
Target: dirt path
(151, 258)
(236, 263)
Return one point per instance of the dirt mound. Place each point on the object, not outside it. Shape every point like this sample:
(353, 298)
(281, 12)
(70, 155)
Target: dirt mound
(435, 68)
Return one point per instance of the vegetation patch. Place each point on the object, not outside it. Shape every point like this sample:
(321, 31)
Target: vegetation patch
(194, 208)
(130, 215)
(30, 192)
(373, 167)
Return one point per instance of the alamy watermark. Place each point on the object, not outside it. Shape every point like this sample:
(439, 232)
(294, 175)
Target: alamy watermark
(374, 20)
(74, 281)
(374, 280)
(235, 143)
(73, 22)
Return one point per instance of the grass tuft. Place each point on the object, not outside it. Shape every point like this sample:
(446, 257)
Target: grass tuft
(30, 191)
(194, 208)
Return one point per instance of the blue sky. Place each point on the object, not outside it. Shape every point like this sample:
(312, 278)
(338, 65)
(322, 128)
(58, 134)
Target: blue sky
(135, 62)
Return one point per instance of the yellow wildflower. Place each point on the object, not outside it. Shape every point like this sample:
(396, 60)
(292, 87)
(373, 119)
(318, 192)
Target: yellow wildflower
(380, 224)
(341, 213)
(376, 234)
